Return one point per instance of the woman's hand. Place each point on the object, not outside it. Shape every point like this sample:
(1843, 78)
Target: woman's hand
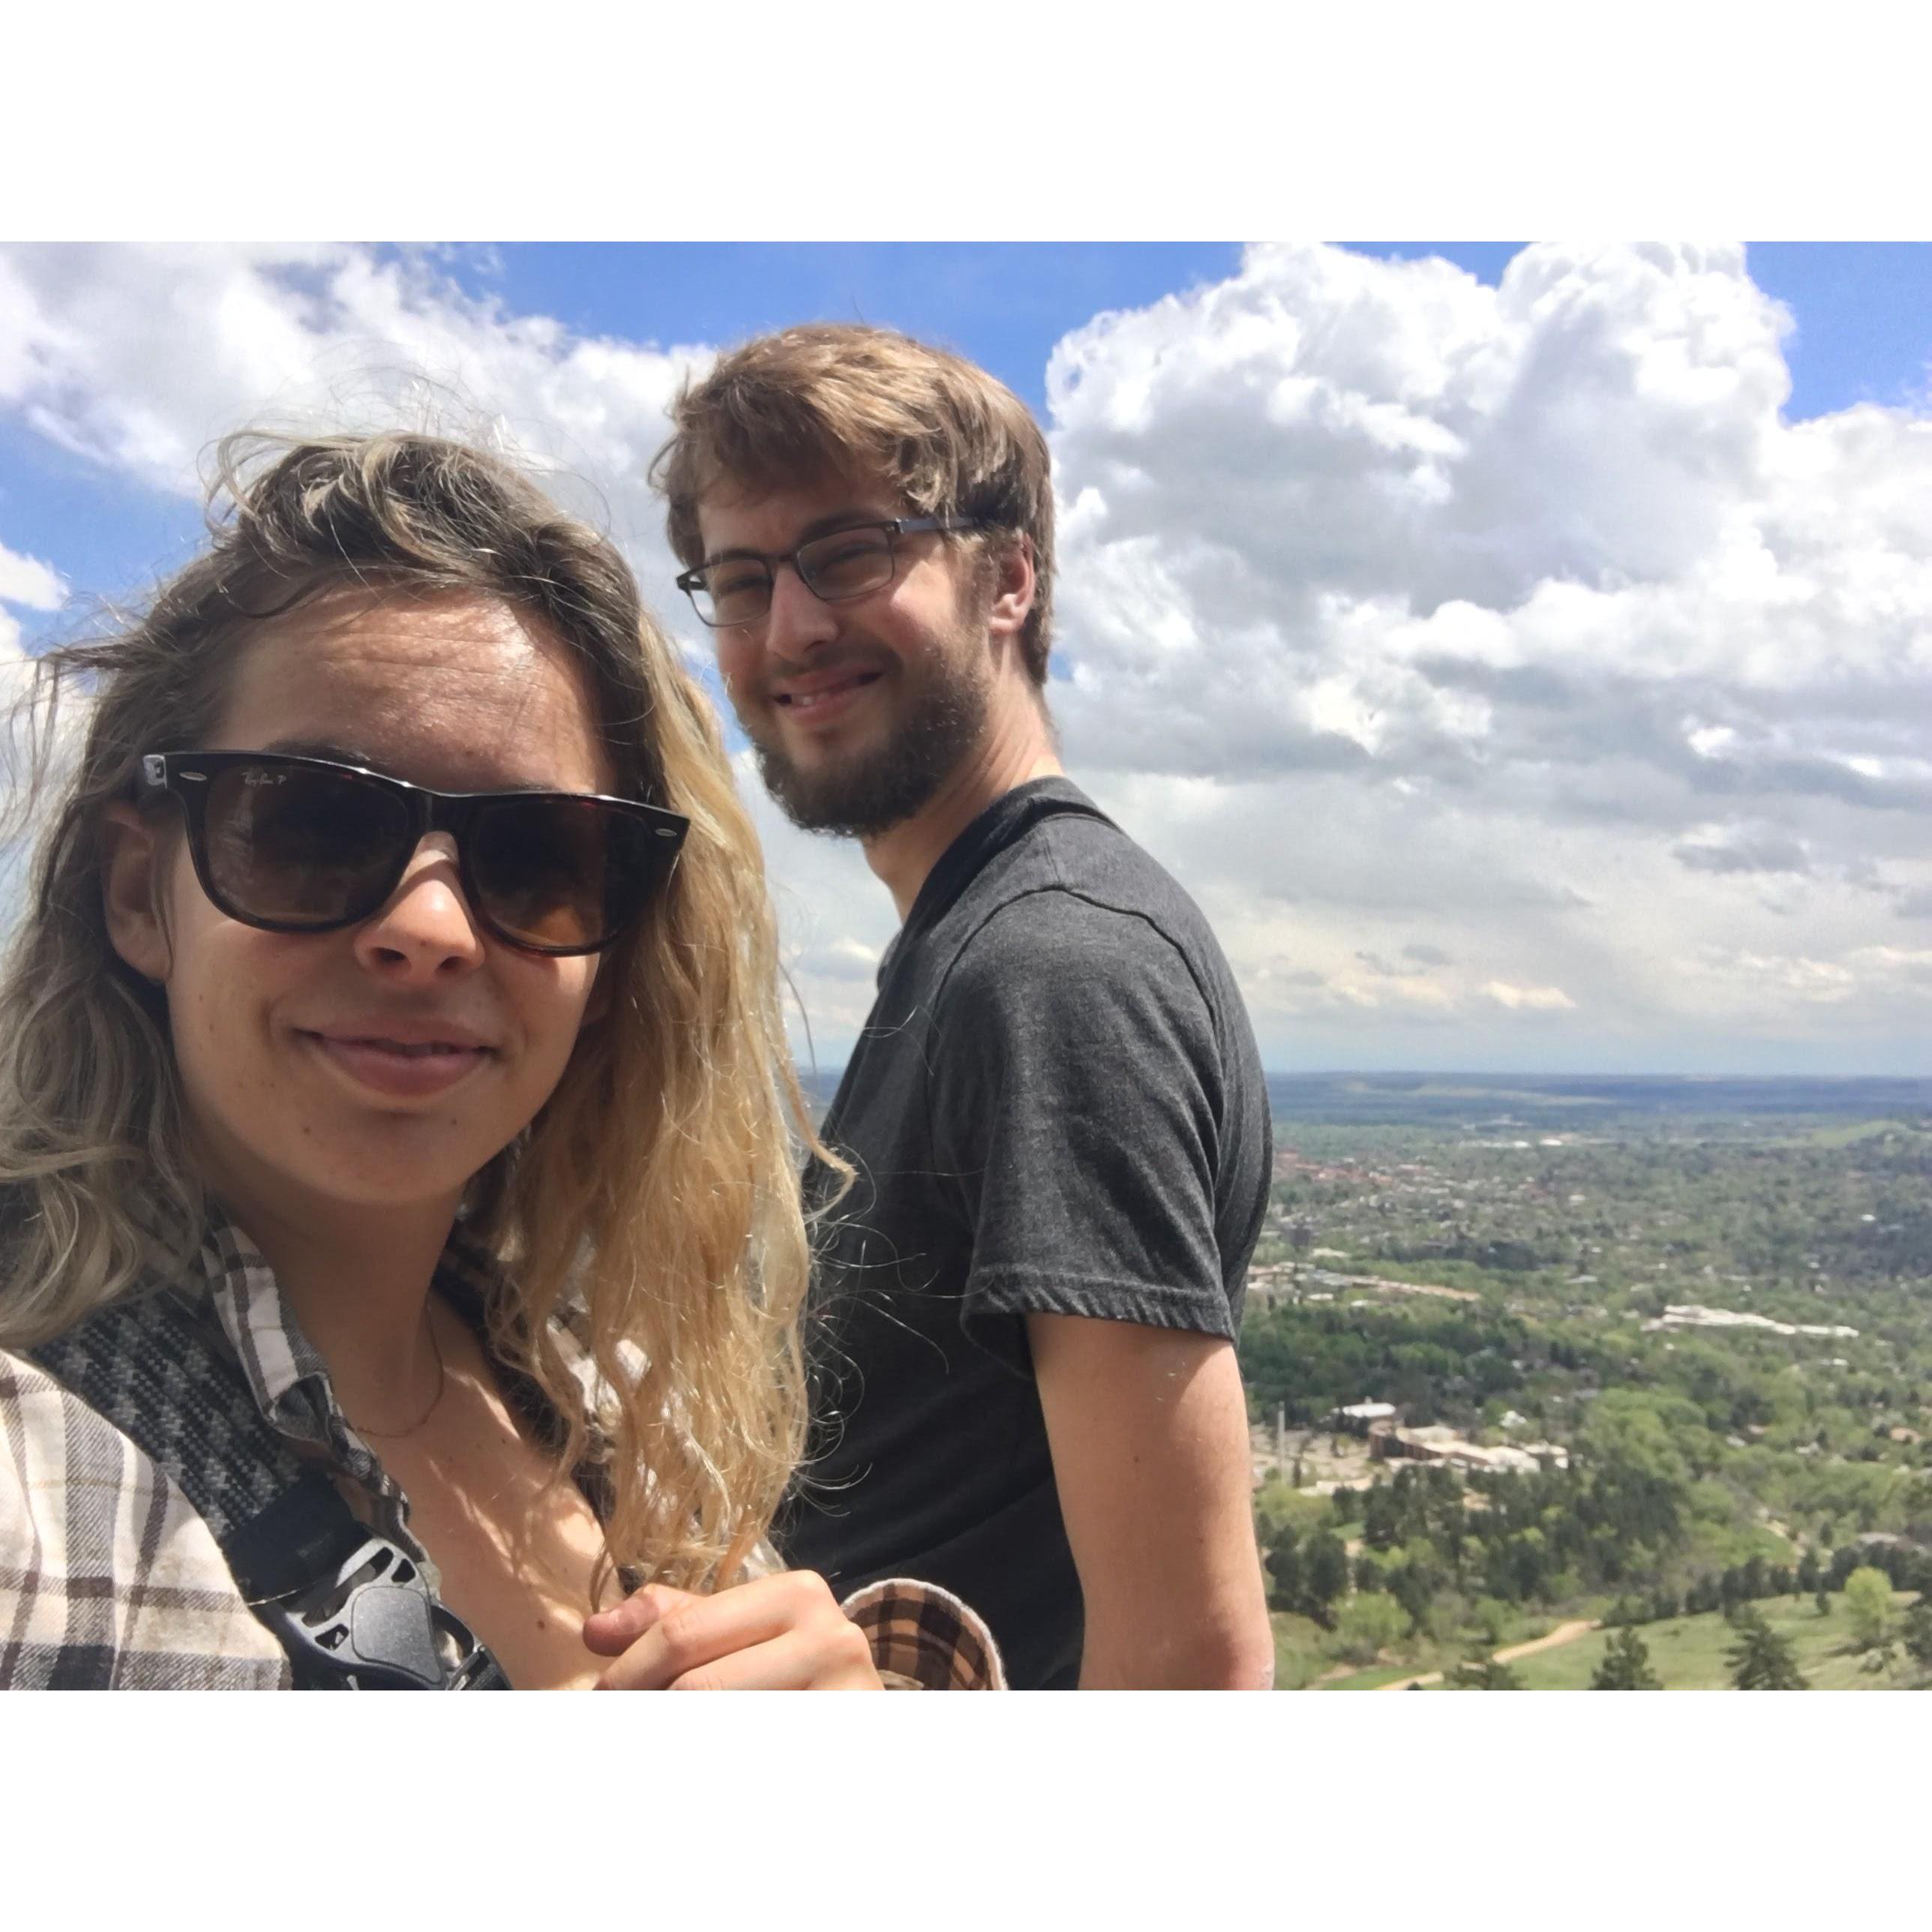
(780, 1633)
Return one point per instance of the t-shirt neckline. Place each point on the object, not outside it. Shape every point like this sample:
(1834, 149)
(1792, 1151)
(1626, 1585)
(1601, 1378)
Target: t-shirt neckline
(1003, 822)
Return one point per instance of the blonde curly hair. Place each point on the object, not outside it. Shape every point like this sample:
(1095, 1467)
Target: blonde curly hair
(657, 1187)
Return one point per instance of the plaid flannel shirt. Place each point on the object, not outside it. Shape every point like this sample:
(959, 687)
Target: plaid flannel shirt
(109, 1578)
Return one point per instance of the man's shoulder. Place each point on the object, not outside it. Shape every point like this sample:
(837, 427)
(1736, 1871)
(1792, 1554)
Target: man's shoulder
(1058, 933)
(1076, 901)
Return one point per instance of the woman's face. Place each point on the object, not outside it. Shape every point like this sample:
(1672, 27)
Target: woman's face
(380, 1066)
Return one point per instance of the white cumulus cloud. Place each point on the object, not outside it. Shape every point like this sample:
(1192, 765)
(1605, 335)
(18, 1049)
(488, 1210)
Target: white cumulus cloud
(1532, 999)
(138, 358)
(1501, 671)
(1515, 622)
(27, 581)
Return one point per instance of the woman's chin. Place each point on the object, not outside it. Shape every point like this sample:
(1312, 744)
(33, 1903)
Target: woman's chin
(394, 1168)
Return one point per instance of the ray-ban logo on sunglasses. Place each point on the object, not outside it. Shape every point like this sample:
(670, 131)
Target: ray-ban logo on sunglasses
(253, 775)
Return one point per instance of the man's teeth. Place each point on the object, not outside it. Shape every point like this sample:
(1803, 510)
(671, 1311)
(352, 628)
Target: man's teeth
(803, 701)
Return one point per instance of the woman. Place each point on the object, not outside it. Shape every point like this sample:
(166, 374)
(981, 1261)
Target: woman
(394, 1112)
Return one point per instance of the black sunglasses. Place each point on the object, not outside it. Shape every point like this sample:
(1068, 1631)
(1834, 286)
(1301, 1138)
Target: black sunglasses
(292, 844)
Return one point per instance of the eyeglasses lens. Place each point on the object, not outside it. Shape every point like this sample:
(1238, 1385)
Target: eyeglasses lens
(847, 563)
(299, 847)
(560, 875)
(735, 592)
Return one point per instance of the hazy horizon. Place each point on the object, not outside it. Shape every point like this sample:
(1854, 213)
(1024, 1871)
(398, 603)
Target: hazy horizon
(1918, 1088)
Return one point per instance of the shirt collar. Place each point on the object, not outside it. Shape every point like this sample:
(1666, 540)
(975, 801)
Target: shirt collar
(286, 1373)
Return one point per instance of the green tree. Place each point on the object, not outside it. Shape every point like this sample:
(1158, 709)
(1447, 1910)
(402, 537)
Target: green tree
(1821, 1603)
(1285, 1569)
(1381, 1518)
(1761, 1659)
(1324, 1575)
(1484, 1672)
(1868, 1601)
(1628, 1427)
(1414, 1588)
(1491, 1615)
(1277, 1507)
(1626, 1665)
(1367, 1625)
(1917, 1633)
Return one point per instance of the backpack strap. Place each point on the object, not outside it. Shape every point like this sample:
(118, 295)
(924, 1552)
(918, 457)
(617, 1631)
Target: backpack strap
(353, 1611)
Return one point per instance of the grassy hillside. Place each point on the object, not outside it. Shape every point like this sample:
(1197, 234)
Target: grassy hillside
(1687, 1653)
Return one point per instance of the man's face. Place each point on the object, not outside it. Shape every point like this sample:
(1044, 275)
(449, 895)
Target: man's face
(858, 710)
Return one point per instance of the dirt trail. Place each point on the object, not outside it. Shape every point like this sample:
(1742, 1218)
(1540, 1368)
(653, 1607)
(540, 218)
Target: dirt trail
(1563, 1633)
(1567, 1632)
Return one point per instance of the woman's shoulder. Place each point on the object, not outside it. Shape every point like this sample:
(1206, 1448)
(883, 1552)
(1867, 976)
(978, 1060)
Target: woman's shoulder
(108, 1578)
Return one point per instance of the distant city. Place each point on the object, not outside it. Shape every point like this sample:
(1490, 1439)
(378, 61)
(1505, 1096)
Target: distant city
(1592, 1381)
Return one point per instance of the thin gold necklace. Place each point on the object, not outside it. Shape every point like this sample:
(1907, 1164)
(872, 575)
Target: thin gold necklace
(441, 1379)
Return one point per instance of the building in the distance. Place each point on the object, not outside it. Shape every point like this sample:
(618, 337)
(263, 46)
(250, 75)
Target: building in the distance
(1359, 1418)
(1387, 1442)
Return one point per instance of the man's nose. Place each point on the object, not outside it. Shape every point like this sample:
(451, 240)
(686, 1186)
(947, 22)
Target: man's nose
(798, 619)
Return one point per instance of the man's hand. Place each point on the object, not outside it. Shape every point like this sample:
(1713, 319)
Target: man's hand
(781, 1633)
(1149, 1432)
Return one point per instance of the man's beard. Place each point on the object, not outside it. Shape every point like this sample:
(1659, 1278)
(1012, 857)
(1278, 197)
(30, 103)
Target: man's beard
(868, 793)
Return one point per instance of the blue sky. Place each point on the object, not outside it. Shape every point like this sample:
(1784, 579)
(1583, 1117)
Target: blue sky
(1863, 309)
(1514, 682)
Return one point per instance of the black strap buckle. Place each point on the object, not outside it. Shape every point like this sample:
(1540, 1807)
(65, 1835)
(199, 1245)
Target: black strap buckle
(373, 1626)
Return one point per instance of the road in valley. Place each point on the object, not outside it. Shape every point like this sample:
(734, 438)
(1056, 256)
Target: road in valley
(1563, 1633)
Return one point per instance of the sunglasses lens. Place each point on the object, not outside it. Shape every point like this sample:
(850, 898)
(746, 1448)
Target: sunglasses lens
(563, 875)
(297, 847)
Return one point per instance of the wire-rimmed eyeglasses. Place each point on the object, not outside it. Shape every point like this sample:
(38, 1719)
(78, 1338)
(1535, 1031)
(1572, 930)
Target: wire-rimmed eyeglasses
(843, 564)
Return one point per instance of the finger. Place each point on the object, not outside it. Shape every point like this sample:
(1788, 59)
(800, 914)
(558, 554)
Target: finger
(825, 1651)
(699, 1631)
(612, 1632)
(792, 1662)
(694, 1634)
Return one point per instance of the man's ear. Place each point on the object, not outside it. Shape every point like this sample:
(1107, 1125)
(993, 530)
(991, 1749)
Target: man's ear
(1013, 585)
(133, 851)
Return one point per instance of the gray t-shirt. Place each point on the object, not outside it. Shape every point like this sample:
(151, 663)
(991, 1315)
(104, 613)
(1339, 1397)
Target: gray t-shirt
(1056, 1107)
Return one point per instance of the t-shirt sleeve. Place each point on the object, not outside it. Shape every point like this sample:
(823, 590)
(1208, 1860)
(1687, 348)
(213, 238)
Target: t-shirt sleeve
(1076, 1095)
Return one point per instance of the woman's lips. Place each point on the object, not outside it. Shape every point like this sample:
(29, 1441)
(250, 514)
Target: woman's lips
(403, 1069)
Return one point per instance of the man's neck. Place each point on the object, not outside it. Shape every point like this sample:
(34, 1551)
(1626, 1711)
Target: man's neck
(1016, 751)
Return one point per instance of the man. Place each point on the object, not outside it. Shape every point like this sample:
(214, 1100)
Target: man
(1023, 1317)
